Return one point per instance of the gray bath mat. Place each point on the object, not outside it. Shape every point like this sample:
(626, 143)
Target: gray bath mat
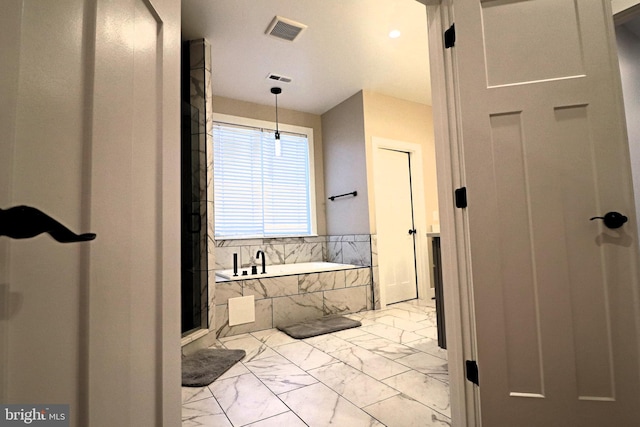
(204, 366)
(326, 325)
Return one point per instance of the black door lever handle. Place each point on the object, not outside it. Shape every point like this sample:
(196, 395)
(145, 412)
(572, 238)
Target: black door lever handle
(412, 231)
(23, 222)
(612, 219)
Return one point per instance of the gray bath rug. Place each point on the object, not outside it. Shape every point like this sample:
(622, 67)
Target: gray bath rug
(326, 325)
(204, 366)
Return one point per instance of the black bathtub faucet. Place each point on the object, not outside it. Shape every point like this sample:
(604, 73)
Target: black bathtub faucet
(235, 264)
(263, 261)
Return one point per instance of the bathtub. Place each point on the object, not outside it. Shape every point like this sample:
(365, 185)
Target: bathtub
(285, 270)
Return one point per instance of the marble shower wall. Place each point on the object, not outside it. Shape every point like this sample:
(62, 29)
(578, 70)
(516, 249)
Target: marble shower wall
(200, 97)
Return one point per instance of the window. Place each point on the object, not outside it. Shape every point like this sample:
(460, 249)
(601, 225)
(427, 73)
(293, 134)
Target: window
(260, 189)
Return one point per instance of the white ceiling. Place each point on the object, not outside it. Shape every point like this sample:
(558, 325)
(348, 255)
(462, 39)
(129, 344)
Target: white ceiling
(345, 48)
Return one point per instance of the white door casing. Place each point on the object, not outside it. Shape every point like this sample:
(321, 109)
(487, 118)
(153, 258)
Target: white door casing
(90, 127)
(394, 219)
(544, 150)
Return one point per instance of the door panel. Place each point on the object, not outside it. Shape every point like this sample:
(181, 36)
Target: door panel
(90, 130)
(544, 151)
(43, 287)
(394, 212)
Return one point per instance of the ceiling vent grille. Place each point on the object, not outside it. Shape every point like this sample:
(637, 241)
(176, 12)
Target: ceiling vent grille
(279, 78)
(285, 29)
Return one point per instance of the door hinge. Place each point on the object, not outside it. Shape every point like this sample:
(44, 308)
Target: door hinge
(461, 197)
(450, 37)
(472, 371)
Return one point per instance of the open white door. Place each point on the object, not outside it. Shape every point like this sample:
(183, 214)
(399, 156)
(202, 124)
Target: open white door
(90, 136)
(544, 148)
(395, 226)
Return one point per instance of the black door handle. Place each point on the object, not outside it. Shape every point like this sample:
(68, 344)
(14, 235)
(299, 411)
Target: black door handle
(22, 222)
(612, 219)
(412, 231)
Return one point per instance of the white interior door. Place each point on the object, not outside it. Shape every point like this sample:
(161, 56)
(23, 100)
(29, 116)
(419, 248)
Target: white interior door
(395, 226)
(90, 136)
(556, 295)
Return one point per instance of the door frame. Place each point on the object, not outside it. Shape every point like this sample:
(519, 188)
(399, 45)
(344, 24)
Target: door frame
(423, 278)
(456, 262)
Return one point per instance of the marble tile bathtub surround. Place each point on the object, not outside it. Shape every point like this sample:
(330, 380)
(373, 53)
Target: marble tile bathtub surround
(286, 303)
(357, 277)
(264, 319)
(297, 308)
(345, 301)
(347, 378)
(294, 298)
(271, 287)
(313, 282)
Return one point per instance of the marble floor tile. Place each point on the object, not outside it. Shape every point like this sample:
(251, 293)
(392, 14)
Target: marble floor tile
(318, 405)
(431, 318)
(382, 346)
(350, 383)
(400, 323)
(245, 399)
(431, 303)
(273, 337)
(255, 348)
(234, 371)
(444, 377)
(206, 412)
(288, 419)
(378, 367)
(424, 389)
(193, 394)
(349, 333)
(402, 411)
(305, 356)
(384, 373)
(219, 420)
(328, 343)
(372, 314)
(408, 313)
(429, 345)
(425, 363)
(429, 332)
(279, 374)
(391, 333)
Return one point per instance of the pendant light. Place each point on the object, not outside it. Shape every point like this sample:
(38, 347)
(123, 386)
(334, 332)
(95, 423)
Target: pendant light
(276, 91)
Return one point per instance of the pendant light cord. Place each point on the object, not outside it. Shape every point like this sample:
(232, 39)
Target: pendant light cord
(276, 91)
(277, 131)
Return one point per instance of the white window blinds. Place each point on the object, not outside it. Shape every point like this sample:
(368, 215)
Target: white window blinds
(258, 192)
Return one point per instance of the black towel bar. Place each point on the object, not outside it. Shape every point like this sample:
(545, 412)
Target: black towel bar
(353, 193)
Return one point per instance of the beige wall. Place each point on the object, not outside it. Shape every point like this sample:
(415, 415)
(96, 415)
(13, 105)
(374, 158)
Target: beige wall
(343, 152)
(346, 167)
(267, 112)
(397, 119)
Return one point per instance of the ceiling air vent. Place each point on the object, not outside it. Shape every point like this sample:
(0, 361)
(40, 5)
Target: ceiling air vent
(279, 78)
(285, 29)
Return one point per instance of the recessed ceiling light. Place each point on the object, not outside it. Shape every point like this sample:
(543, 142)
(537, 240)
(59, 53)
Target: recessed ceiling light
(394, 34)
